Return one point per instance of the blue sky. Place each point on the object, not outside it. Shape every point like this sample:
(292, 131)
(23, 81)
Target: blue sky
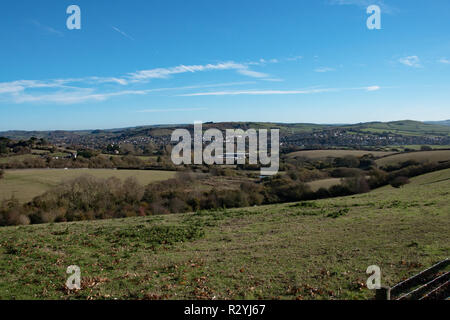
(140, 62)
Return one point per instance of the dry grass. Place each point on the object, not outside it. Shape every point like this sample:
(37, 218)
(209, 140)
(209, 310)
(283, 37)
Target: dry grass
(420, 156)
(29, 183)
(323, 183)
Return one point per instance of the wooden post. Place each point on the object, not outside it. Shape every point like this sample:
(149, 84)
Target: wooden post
(384, 293)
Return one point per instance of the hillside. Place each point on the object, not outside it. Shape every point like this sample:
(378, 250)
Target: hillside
(331, 153)
(405, 127)
(414, 132)
(443, 123)
(317, 249)
(419, 156)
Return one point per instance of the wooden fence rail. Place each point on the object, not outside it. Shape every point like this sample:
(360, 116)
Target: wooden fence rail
(432, 283)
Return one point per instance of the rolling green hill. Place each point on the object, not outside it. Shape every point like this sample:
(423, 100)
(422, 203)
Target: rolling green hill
(444, 122)
(419, 156)
(405, 127)
(307, 250)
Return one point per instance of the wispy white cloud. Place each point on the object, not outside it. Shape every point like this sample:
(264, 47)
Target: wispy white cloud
(262, 61)
(164, 73)
(46, 28)
(373, 88)
(251, 73)
(77, 90)
(131, 78)
(324, 69)
(104, 80)
(256, 92)
(411, 61)
(273, 79)
(78, 96)
(277, 92)
(22, 85)
(295, 58)
(122, 33)
(17, 91)
(212, 85)
(444, 61)
(171, 110)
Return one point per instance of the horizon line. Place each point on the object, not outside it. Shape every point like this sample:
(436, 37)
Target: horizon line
(208, 122)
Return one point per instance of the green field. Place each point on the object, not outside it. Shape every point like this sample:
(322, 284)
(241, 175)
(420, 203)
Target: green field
(417, 147)
(323, 154)
(420, 156)
(29, 183)
(143, 158)
(37, 154)
(307, 250)
(324, 183)
(19, 158)
(404, 127)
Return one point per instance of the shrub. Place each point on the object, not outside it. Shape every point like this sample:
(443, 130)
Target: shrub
(339, 190)
(346, 172)
(399, 181)
(177, 205)
(158, 208)
(2, 173)
(158, 235)
(347, 161)
(340, 212)
(357, 185)
(232, 199)
(377, 178)
(306, 175)
(283, 189)
(132, 190)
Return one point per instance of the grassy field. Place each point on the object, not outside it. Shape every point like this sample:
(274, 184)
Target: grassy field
(143, 158)
(405, 127)
(35, 155)
(417, 147)
(19, 158)
(322, 154)
(324, 183)
(28, 183)
(421, 156)
(307, 250)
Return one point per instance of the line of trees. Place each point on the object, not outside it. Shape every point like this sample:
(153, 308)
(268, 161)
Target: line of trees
(89, 198)
(96, 161)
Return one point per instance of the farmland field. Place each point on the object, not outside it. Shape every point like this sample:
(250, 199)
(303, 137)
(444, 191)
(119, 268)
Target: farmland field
(417, 147)
(406, 127)
(143, 158)
(322, 154)
(4, 160)
(307, 250)
(323, 183)
(421, 156)
(28, 183)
